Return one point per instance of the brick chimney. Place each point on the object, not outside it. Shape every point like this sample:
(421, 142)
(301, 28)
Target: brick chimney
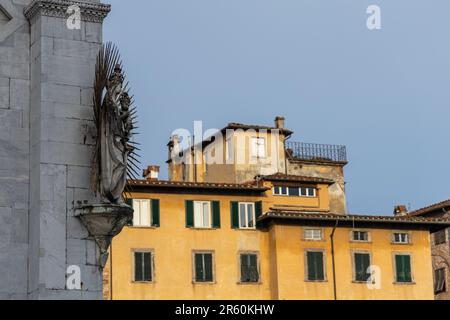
(279, 122)
(400, 211)
(151, 173)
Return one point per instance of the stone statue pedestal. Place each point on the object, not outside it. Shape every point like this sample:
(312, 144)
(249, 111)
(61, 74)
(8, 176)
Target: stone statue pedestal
(104, 221)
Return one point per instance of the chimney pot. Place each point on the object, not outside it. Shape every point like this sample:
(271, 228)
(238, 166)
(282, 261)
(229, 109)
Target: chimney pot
(400, 211)
(151, 173)
(279, 122)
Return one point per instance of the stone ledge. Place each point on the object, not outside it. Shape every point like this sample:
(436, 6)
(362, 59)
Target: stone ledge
(90, 12)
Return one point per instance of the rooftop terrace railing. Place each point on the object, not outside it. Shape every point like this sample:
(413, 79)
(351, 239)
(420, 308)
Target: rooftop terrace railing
(316, 152)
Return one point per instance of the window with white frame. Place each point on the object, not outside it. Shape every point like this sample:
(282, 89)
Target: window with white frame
(362, 236)
(258, 147)
(401, 238)
(295, 191)
(247, 218)
(202, 214)
(312, 234)
(142, 213)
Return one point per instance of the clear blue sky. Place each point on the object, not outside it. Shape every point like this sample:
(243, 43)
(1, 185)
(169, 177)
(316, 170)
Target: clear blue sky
(385, 94)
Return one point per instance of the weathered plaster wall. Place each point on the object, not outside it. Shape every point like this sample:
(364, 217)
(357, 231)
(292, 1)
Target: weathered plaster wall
(335, 172)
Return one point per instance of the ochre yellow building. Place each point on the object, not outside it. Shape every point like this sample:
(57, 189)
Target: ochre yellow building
(275, 236)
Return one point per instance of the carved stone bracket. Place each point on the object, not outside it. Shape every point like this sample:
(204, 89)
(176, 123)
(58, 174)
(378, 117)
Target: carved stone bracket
(104, 222)
(90, 12)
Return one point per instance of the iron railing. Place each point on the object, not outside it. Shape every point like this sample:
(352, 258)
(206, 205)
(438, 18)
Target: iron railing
(319, 152)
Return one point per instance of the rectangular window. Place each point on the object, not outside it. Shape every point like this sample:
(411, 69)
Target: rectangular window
(247, 218)
(313, 234)
(142, 213)
(249, 268)
(440, 237)
(315, 266)
(439, 280)
(311, 192)
(258, 147)
(403, 268)
(361, 265)
(143, 267)
(295, 191)
(203, 267)
(202, 214)
(401, 238)
(362, 236)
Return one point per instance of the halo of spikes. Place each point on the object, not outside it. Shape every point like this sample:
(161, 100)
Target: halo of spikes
(107, 59)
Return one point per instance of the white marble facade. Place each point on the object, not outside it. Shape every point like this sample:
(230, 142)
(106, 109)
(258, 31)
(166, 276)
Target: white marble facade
(46, 138)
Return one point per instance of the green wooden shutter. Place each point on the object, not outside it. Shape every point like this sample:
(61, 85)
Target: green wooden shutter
(147, 273)
(138, 274)
(216, 214)
(315, 266)
(199, 274)
(245, 277)
(399, 268)
(234, 215)
(403, 268)
(189, 213)
(258, 212)
(253, 264)
(319, 266)
(155, 213)
(362, 263)
(407, 268)
(207, 258)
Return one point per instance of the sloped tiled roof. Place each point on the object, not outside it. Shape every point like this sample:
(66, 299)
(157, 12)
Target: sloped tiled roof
(196, 185)
(431, 208)
(294, 178)
(316, 216)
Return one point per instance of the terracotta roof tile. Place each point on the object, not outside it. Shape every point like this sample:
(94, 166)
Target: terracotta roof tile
(295, 178)
(431, 208)
(198, 185)
(299, 215)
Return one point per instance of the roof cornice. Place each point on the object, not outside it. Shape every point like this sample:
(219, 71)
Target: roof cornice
(90, 12)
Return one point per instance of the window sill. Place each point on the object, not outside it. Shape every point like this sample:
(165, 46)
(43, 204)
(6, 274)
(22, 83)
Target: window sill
(246, 229)
(316, 281)
(203, 229)
(249, 283)
(404, 283)
(360, 282)
(143, 227)
(401, 244)
(142, 282)
(203, 283)
(360, 241)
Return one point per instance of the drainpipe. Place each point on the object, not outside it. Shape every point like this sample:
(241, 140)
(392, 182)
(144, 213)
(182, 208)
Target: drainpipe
(333, 261)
